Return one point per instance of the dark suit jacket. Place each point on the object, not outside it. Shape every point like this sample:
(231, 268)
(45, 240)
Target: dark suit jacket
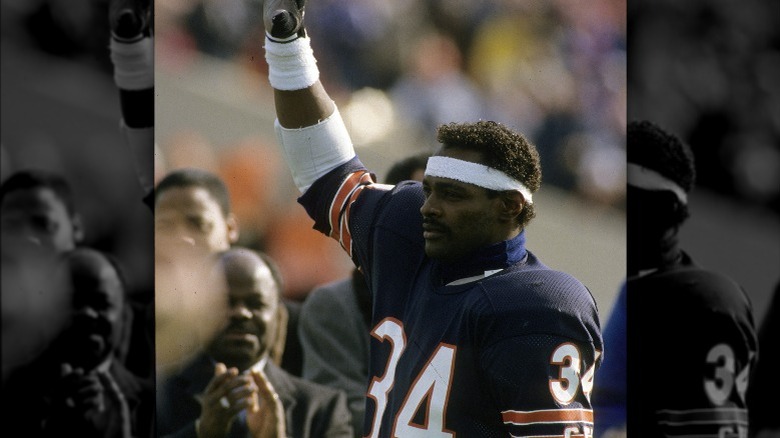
(312, 410)
(28, 394)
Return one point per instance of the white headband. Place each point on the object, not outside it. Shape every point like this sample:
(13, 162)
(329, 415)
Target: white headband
(474, 173)
(648, 179)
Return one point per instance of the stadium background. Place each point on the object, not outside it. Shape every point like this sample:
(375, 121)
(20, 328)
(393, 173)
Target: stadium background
(554, 70)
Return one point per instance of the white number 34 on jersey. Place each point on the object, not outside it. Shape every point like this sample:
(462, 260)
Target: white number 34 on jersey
(564, 388)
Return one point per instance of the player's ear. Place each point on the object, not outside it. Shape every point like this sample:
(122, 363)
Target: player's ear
(511, 204)
(232, 228)
(78, 228)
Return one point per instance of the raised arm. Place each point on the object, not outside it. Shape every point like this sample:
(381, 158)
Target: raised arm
(132, 54)
(309, 127)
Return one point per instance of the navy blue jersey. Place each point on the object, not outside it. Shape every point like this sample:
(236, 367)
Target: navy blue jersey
(512, 353)
(691, 345)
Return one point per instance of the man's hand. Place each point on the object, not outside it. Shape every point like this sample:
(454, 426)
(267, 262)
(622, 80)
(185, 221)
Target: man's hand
(79, 392)
(268, 420)
(129, 19)
(227, 394)
(283, 18)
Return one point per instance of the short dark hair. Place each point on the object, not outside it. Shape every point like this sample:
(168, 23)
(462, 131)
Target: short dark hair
(225, 255)
(191, 177)
(276, 272)
(501, 149)
(112, 260)
(650, 146)
(404, 169)
(38, 178)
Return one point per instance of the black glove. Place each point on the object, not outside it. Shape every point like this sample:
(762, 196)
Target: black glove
(283, 18)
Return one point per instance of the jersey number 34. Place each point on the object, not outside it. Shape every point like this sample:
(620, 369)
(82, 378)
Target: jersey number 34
(433, 384)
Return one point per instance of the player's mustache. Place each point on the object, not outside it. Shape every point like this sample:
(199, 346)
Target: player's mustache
(433, 225)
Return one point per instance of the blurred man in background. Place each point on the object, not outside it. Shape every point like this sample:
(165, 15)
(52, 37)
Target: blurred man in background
(77, 385)
(38, 206)
(39, 222)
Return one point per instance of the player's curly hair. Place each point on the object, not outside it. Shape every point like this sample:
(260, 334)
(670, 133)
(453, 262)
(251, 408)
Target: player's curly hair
(650, 146)
(502, 149)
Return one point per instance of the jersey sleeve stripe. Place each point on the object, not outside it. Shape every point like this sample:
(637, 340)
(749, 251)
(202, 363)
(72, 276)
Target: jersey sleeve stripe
(701, 416)
(346, 187)
(338, 213)
(548, 416)
(345, 235)
(343, 195)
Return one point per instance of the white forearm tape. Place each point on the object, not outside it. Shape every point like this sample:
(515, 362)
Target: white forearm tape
(475, 173)
(133, 63)
(315, 150)
(291, 65)
(141, 143)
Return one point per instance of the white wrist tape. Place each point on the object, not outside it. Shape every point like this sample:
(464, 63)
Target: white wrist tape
(291, 65)
(141, 144)
(133, 63)
(649, 179)
(315, 150)
(475, 173)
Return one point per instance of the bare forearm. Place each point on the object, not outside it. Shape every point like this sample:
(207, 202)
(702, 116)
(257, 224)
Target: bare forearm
(301, 108)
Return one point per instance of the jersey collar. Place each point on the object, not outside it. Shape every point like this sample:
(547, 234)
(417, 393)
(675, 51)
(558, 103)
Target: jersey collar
(485, 261)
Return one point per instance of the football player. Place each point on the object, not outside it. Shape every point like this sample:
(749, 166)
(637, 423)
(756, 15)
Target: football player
(472, 335)
(691, 337)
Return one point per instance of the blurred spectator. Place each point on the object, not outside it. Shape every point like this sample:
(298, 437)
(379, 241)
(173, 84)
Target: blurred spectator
(610, 395)
(194, 219)
(77, 384)
(39, 221)
(434, 90)
(219, 27)
(38, 215)
(358, 40)
(38, 205)
(67, 29)
(32, 292)
(215, 393)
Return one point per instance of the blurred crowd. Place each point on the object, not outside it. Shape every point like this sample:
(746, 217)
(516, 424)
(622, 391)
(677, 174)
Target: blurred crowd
(556, 71)
(708, 71)
(552, 70)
